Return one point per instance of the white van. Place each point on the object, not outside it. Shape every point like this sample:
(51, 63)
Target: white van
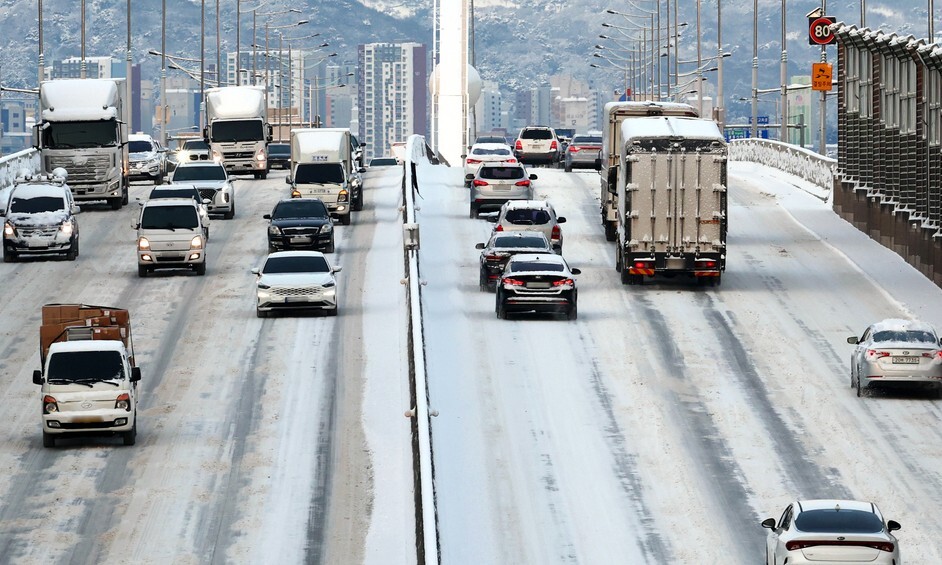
(170, 235)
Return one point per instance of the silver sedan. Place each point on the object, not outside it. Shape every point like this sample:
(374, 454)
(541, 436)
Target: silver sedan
(896, 352)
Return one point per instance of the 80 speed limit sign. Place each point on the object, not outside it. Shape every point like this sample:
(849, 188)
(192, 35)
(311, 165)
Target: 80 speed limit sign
(819, 30)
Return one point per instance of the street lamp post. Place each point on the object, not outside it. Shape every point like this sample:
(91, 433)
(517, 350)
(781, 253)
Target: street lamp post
(755, 68)
(784, 76)
(164, 107)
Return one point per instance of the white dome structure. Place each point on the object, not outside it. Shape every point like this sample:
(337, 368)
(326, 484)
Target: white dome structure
(474, 84)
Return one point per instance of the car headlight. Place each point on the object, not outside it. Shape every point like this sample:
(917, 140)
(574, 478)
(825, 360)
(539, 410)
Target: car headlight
(66, 228)
(262, 286)
(329, 284)
(143, 244)
(274, 230)
(344, 196)
(196, 242)
(327, 228)
(8, 230)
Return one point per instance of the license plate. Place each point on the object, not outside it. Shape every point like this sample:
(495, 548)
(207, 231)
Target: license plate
(296, 299)
(299, 239)
(900, 360)
(538, 285)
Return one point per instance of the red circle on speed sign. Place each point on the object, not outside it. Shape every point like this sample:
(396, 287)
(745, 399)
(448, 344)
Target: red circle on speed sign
(819, 30)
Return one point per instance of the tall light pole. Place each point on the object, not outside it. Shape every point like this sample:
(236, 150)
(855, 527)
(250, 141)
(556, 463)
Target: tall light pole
(783, 132)
(823, 106)
(202, 60)
(755, 68)
(164, 107)
(720, 102)
(42, 63)
(127, 84)
(82, 71)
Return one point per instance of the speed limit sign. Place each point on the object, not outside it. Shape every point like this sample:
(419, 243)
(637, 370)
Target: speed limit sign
(819, 30)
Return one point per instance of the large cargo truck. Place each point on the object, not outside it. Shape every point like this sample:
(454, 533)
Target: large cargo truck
(89, 376)
(672, 200)
(237, 128)
(83, 128)
(615, 113)
(320, 168)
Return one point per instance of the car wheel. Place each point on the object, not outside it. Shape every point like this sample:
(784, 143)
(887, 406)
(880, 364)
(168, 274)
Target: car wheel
(345, 220)
(49, 440)
(158, 180)
(230, 214)
(115, 203)
(9, 256)
(610, 231)
(201, 268)
(332, 311)
(130, 437)
(473, 212)
(501, 308)
(73, 252)
(853, 380)
(573, 312)
(861, 391)
(330, 246)
(482, 281)
(264, 175)
(142, 270)
(358, 202)
(260, 313)
(568, 168)
(124, 194)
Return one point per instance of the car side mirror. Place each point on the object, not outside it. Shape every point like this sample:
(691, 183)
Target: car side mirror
(561, 220)
(576, 271)
(469, 177)
(479, 246)
(854, 341)
(267, 216)
(532, 177)
(37, 377)
(287, 180)
(361, 170)
(254, 270)
(135, 374)
(336, 269)
(769, 523)
(492, 218)
(76, 209)
(893, 525)
(136, 224)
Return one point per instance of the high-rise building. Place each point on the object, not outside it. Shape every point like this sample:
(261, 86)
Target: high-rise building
(393, 101)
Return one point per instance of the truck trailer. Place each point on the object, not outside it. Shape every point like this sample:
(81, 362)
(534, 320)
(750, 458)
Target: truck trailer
(83, 128)
(672, 199)
(237, 129)
(615, 113)
(89, 376)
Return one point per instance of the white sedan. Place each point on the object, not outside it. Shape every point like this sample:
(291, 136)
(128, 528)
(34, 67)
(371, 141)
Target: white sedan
(902, 353)
(296, 280)
(487, 153)
(830, 531)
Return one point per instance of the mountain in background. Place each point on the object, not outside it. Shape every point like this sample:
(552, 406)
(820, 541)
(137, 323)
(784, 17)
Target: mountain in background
(518, 44)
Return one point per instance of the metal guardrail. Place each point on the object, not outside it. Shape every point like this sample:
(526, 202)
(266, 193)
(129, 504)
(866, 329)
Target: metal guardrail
(14, 165)
(803, 163)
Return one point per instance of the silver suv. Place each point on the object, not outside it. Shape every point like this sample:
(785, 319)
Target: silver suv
(147, 160)
(40, 220)
(493, 185)
(531, 215)
(537, 145)
(170, 234)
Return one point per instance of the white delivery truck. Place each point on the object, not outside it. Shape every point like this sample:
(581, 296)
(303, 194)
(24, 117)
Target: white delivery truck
(672, 208)
(237, 128)
(89, 376)
(320, 168)
(83, 128)
(615, 113)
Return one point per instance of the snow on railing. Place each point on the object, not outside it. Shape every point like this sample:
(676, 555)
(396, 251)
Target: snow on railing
(14, 165)
(803, 163)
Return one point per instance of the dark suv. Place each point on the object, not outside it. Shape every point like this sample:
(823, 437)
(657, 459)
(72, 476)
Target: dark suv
(279, 155)
(300, 223)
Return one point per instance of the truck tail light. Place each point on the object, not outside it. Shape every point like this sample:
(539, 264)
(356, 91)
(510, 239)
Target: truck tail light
(123, 402)
(50, 405)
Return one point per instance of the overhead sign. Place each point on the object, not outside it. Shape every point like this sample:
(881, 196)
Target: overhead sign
(821, 76)
(819, 30)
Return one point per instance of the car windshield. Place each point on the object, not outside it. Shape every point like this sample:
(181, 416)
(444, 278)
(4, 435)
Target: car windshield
(237, 130)
(492, 139)
(525, 266)
(908, 336)
(382, 161)
(213, 172)
(169, 217)
(279, 149)
(140, 147)
(501, 173)
(587, 140)
(839, 521)
(159, 193)
(85, 366)
(528, 242)
(526, 217)
(319, 173)
(37, 204)
(299, 209)
(536, 134)
(195, 145)
(491, 151)
(296, 264)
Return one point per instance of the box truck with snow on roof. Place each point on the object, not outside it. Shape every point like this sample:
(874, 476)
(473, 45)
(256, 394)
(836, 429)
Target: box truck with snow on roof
(237, 128)
(89, 376)
(672, 202)
(321, 161)
(615, 113)
(83, 128)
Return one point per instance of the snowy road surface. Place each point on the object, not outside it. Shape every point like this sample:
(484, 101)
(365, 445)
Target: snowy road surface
(659, 427)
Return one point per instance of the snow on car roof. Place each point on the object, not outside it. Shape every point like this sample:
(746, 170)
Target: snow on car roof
(900, 325)
(527, 204)
(37, 190)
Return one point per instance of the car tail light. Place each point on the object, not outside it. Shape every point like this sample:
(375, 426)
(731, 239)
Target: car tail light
(804, 544)
(574, 149)
(512, 282)
(554, 146)
(706, 264)
(123, 402)
(518, 146)
(556, 233)
(473, 161)
(493, 258)
(931, 354)
(511, 160)
(874, 354)
(524, 182)
(499, 227)
(564, 282)
(479, 182)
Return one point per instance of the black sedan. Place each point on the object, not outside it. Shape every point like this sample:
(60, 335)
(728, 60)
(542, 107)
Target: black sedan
(279, 155)
(300, 223)
(539, 283)
(500, 247)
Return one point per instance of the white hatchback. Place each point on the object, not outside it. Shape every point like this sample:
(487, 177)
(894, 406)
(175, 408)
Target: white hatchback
(531, 215)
